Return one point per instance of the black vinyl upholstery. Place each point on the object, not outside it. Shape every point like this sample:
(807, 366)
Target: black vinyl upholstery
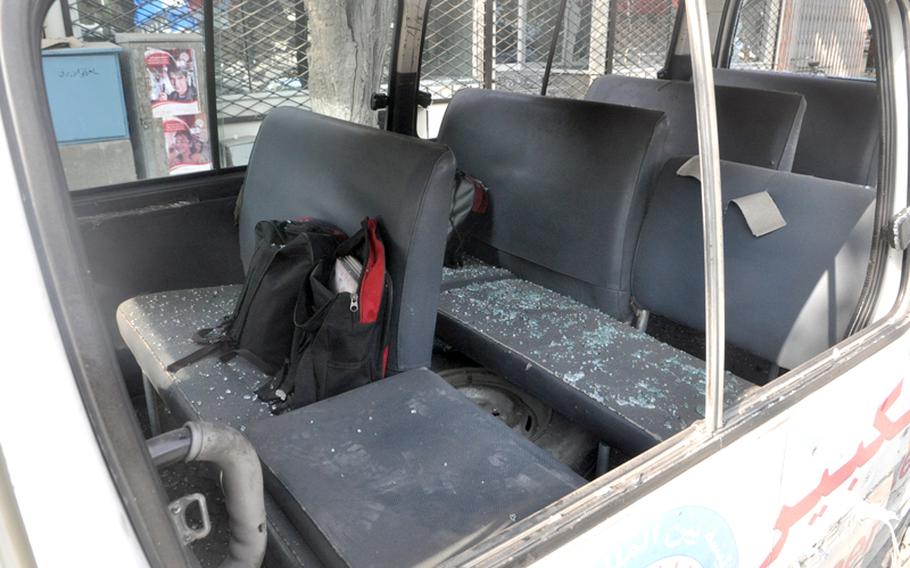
(568, 183)
(304, 164)
(756, 127)
(402, 472)
(791, 293)
(626, 387)
(842, 131)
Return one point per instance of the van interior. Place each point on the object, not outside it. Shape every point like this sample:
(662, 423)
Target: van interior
(569, 339)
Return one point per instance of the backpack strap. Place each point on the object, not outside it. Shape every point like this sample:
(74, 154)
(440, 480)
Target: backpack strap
(199, 355)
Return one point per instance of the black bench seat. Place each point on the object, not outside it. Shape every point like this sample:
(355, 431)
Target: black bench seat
(158, 329)
(300, 167)
(402, 472)
(629, 388)
(471, 271)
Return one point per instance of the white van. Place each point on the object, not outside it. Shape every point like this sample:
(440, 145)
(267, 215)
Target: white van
(671, 333)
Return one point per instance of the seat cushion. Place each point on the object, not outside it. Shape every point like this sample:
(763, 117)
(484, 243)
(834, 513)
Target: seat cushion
(790, 294)
(630, 389)
(307, 165)
(841, 134)
(402, 472)
(158, 329)
(562, 175)
(755, 126)
(471, 271)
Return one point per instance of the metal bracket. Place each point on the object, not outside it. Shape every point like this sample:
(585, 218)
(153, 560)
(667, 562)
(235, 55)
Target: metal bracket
(900, 230)
(178, 509)
(379, 101)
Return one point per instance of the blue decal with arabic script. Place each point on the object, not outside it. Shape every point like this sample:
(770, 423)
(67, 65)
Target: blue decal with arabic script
(694, 537)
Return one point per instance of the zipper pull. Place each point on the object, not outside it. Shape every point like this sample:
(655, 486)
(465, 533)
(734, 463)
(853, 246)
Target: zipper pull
(355, 302)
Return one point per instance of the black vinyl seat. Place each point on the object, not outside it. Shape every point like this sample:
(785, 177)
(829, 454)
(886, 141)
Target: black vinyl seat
(568, 184)
(402, 472)
(790, 295)
(756, 127)
(842, 131)
(626, 387)
(303, 165)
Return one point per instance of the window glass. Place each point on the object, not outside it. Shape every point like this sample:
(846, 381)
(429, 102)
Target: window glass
(129, 86)
(505, 44)
(822, 37)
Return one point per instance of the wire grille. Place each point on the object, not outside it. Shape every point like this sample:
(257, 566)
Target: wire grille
(824, 37)
(261, 46)
(505, 44)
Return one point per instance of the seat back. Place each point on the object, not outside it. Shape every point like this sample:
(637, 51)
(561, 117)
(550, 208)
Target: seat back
(755, 127)
(789, 294)
(841, 134)
(568, 182)
(304, 164)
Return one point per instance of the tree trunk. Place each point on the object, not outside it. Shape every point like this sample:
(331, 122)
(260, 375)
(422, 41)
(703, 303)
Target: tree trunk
(349, 45)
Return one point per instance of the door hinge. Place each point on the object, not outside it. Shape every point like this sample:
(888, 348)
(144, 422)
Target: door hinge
(900, 230)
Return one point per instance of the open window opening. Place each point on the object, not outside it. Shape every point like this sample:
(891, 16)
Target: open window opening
(545, 254)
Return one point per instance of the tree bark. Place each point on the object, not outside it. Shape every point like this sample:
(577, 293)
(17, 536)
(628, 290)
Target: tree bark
(349, 45)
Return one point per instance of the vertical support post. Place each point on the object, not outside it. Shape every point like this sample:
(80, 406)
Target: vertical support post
(611, 39)
(600, 24)
(712, 210)
(151, 405)
(522, 33)
(208, 18)
(67, 17)
(488, 44)
(554, 41)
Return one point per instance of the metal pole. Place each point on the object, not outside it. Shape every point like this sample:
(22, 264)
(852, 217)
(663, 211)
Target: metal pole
(488, 44)
(712, 210)
(208, 18)
(557, 27)
(611, 38)
(67, 18)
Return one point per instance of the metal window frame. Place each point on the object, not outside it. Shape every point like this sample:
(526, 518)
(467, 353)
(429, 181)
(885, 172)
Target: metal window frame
(712, 210)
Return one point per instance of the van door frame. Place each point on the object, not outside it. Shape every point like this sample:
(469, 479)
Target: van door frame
(534, 537)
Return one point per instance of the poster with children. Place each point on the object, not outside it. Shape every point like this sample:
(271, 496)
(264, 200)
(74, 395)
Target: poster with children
(187, 143)
(173, 82)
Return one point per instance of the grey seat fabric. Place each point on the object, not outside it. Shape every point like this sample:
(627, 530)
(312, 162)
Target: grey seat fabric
(842, 131)
(403, 472)
(790, 294)
(304, 164)
(564, 176)
(625, 386)
(756, 127)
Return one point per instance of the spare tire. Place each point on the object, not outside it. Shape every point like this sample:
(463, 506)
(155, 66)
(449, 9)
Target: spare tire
(526, 415)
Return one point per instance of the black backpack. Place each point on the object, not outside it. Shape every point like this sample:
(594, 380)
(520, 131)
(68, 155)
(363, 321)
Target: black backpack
(261, 327)
(341, 338)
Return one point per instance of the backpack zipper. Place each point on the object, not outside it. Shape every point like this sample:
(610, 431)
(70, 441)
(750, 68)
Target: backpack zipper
(355, 302)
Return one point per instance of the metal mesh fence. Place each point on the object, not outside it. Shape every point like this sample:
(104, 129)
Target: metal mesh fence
(261, 57)
(825, 37)
(261, 46)
(99, 20)
(504, 44)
